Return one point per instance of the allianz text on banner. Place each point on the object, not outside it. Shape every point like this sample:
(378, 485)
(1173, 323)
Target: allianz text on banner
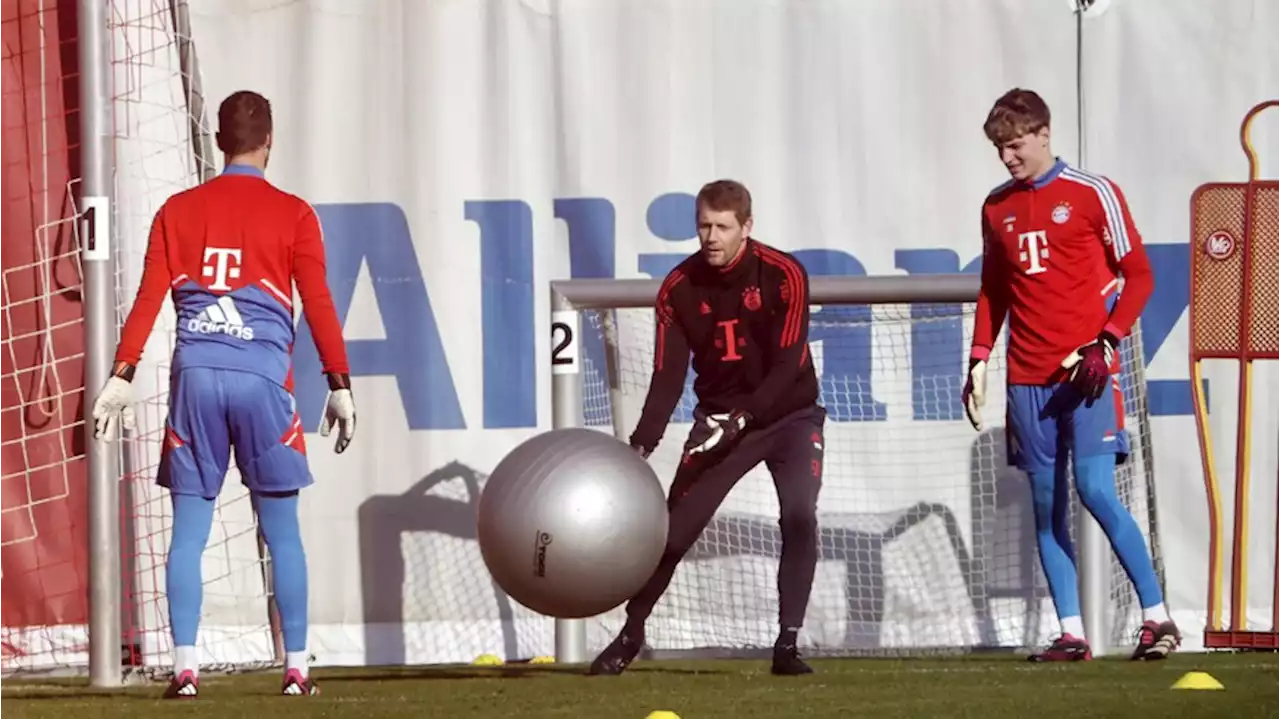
(377, 236)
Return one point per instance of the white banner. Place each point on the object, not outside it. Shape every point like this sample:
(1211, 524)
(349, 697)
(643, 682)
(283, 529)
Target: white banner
(463, 154)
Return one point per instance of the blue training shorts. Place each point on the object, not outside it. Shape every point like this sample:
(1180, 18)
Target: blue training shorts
(1046, 420)
(213, 410)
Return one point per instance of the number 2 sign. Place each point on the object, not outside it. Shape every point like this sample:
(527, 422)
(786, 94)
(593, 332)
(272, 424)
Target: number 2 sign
(564, 342)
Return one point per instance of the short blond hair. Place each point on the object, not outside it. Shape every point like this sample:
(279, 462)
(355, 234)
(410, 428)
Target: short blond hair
(726, 195)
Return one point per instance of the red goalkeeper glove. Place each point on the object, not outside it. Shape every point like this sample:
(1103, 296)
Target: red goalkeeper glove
(1090, 366)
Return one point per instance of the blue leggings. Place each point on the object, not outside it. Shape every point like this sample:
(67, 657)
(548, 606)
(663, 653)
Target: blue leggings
(184, 584)
(1096, 485)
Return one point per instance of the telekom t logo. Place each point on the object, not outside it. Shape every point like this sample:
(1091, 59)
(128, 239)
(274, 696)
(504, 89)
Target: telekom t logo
(1032, 248)
(731, 341)
(226, 265)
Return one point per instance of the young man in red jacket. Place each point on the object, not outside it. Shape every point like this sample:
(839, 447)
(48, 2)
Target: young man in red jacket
(1056, 241)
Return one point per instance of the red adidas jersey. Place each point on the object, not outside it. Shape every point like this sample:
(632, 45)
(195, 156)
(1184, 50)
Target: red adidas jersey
(1053, 251)
(230, 252)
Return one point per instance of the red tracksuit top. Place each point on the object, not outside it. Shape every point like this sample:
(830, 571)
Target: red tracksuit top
(230, 252)
(1052, 252)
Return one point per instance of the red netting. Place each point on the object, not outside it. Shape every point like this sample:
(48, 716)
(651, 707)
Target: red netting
(44, 554)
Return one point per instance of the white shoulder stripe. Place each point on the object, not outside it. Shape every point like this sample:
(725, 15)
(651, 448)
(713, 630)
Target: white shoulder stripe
(1111, 207)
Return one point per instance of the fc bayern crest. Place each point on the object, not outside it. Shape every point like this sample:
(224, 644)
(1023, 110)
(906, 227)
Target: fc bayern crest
(1061, 213)
(751, 298)
(1220, 245)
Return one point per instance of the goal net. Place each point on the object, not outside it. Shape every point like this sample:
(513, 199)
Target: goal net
(926, 535)
(160, 146)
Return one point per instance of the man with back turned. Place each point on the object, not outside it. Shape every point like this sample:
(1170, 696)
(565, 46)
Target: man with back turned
(230, 254)
(741, 308)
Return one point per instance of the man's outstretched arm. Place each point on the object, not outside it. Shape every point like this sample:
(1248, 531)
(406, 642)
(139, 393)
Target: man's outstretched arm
(670, 367)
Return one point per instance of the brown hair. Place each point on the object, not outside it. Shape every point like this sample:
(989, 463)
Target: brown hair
(725, 195)
(1018, 112)
(244, 123)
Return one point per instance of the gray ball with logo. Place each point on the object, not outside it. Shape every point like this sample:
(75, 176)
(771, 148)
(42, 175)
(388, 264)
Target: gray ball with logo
(572, 522)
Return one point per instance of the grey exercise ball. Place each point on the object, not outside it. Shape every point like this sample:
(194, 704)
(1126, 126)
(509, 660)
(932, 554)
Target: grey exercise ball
(572, 523)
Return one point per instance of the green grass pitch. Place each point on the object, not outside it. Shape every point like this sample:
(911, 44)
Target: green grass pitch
(987, 687)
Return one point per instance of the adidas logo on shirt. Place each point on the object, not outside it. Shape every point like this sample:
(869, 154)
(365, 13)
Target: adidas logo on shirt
(221, 317)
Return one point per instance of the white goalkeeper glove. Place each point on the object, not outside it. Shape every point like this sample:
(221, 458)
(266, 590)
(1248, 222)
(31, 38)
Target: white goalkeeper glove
(975, 392)
(111, 409)
(715, 430)
(339, 409)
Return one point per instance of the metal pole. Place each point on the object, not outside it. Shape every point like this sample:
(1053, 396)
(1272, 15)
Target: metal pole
(1095, 550)
(100, 340)
(566, 411)
(845, 290)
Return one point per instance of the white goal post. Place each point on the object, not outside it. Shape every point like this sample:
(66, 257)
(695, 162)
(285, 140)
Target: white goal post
(926, 536)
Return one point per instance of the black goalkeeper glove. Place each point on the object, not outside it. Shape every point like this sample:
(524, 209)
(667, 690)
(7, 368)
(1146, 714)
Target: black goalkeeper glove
(715, 431)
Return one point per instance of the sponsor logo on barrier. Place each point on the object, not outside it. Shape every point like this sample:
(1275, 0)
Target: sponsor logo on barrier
(1220, 245)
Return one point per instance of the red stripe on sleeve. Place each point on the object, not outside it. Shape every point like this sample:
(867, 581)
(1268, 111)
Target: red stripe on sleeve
(798, 298)
(665, 316)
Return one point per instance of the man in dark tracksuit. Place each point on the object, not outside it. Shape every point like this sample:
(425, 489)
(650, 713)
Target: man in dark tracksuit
(741, 308)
